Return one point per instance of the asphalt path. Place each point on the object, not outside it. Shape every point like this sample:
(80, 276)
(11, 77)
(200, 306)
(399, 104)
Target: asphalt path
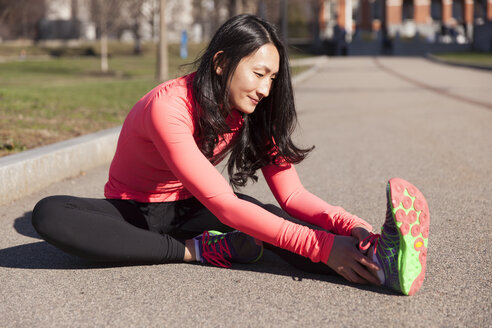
(370, 120)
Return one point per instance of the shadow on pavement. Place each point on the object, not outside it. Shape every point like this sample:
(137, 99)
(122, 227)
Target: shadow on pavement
(273, 264)
(24, 226)
(42, 255)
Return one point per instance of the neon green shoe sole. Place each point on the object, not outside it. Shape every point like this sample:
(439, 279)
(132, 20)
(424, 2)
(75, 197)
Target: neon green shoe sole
(410, 216)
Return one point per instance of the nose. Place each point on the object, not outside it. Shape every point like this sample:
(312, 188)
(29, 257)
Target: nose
(264, 88)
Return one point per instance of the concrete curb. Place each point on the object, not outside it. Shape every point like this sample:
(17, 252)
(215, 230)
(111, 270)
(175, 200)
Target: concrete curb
(317, 63)
(32, 170)
(24, 173)
(453, 63)
(308, 61)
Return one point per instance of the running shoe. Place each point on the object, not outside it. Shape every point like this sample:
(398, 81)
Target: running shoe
(220, 249)
(401, 248)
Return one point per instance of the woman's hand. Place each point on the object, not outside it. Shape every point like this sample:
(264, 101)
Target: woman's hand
(346, 259)
(360, 232)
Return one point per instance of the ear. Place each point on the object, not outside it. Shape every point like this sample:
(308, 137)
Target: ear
(218, 68)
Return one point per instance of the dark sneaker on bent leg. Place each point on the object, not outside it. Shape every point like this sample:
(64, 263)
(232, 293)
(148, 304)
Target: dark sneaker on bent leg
(220, 249)
(401, 248)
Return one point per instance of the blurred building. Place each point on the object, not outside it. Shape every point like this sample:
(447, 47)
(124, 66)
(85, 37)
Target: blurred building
(77, 19)
(127, 20)
(328, 26)
(66, 19)
(434, 20)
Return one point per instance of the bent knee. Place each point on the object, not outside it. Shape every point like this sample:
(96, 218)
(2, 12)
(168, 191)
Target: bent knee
(47, 212)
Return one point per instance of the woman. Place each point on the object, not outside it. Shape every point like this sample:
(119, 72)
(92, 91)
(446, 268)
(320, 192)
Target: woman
(163, 190)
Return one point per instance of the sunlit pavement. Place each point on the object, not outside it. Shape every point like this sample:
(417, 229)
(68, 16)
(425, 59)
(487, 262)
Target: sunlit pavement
(370, 120)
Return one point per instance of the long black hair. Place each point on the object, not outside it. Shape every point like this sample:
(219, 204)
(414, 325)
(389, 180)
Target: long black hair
(265, 136)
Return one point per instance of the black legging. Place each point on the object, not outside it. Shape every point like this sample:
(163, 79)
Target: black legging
(126, 231)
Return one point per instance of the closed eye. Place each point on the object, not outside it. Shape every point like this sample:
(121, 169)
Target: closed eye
(259, 74)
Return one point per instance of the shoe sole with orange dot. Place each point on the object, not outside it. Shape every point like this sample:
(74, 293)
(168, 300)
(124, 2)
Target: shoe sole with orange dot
(411, 215)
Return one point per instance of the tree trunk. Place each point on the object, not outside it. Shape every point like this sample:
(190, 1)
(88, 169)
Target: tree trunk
(162, 58)
(137, 47)
(283, 20)
(137, 24)
(104, 39)
(262, 9)
(235, 7)
(104, 51)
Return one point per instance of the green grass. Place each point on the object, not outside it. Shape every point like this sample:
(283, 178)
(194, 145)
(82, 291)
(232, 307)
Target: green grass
(474, 58)
(299, 69)
(44, 101)
(48, 100)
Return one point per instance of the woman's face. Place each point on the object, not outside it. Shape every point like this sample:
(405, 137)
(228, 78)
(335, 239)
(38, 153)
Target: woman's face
(252, 80)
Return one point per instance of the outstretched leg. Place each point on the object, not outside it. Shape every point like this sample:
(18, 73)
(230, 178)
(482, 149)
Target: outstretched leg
(298, 261)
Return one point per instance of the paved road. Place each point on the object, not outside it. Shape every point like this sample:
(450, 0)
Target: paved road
(370, 120)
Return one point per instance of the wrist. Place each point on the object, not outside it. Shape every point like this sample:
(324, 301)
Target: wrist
(327, 248)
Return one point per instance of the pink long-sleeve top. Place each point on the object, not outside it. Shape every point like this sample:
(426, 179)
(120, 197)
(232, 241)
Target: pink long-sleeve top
(157, 160)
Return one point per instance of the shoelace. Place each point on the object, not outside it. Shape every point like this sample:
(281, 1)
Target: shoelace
(215, 254)
(372, 238)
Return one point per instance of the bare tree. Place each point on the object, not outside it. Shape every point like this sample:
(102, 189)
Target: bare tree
(134, 8)
(237, 7)
(199, 15)
(20, 18)
(162, 56)
(218, 17)
(284, 19)
(103, 25)
(250, 6)
(108, 17)
(150, 12)
(138, 11)
(271, 10)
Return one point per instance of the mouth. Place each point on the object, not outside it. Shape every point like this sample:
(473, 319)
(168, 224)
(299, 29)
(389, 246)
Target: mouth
(254, 101)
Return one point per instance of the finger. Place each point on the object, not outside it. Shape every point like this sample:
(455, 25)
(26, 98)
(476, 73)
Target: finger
(354, 277)
(344, 272)
(373, 272)
(349, 274)
(364, 260)
(365, 274)
(360, 233)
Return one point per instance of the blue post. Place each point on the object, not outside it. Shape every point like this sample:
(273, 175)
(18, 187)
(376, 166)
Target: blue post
(183, 52)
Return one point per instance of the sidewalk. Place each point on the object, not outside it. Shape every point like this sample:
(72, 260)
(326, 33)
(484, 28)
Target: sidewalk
(368, 123)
